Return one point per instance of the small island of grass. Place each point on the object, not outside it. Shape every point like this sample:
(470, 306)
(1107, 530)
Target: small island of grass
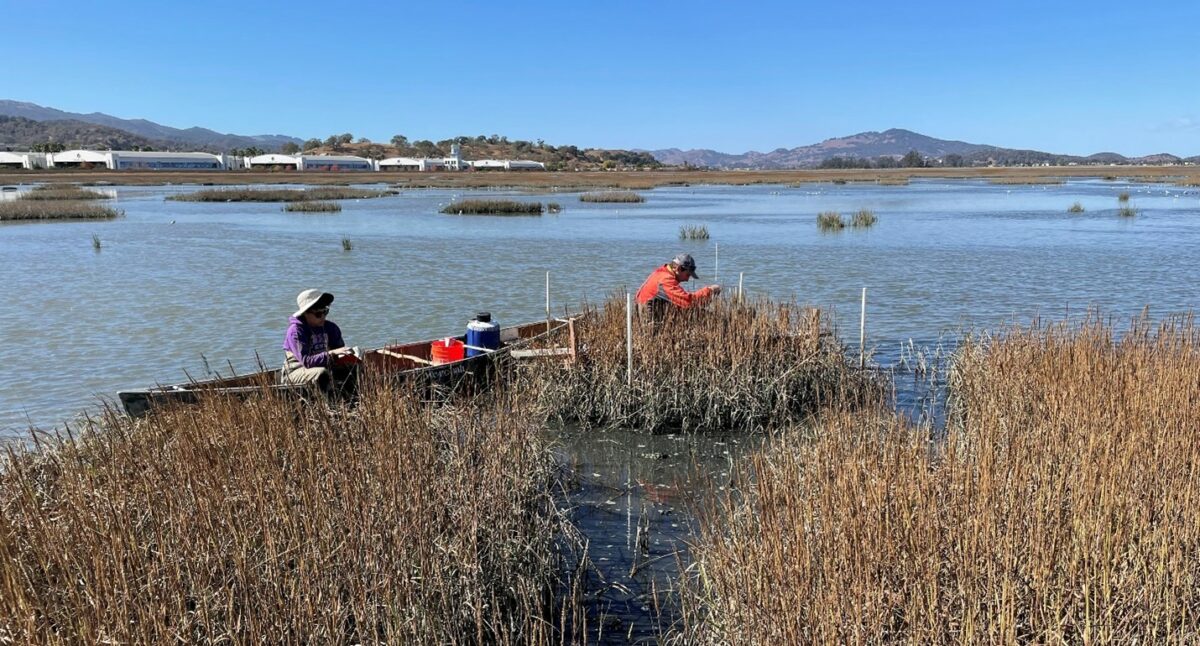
(493, 207)
(612, 196)
(22, 211)
(322, 193)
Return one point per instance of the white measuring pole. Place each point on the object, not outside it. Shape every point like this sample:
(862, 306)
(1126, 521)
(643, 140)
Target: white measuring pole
(547, 301)
(862, 332)
(629, 339)
(741, 276)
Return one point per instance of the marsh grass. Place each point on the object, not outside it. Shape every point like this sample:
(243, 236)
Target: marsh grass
(1127, 211)
(740, 367)
(830, 221)
(21, 210)
(864, 219)
(1075, 208)
(313, 207)
(1060, 506)
(1123, 197)
(96, 242)
(58, 192)
(893, 181)
(312, 194)
(554, 208)
(693, 232)
(347, 244)
(612, 196)
(493, 207)
(272, 521)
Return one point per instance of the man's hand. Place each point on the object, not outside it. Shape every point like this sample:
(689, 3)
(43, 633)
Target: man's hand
(716, 289)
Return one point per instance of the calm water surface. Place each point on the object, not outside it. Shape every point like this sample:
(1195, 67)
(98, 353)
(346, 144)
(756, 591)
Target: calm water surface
(188, 287)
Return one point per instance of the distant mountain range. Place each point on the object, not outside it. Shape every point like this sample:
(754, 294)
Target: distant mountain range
(24, 125)
(68, 128)
(894, 143)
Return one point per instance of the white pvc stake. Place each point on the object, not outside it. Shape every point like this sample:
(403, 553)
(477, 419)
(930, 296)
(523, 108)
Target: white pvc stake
(547, 301)
(741, 275)
(629, 339)
(862, 332)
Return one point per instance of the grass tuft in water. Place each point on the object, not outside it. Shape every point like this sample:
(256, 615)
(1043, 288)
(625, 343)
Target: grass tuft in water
(693, 232)
(493, 207)
(553, 207)
(830, 221)
(1127, 211)
(347, 245)
(864, 219)
(1123, 197)
(1075, 208)
(95, 242)
(612, 196)
(313, 207)
(21, 210)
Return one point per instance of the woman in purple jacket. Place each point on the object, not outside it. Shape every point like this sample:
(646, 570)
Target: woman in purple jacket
(313, 345)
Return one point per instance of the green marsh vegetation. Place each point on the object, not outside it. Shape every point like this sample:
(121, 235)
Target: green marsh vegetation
(612, 196)
(96, 242)
(1127, 211)
(553, 208)
(270, 520)
(493, 207)
(1075, 208)
(312, 194)
(693, 232)
(313, 207)
(1060, 506)
(830, 221)
(347, 244)
(23, 210)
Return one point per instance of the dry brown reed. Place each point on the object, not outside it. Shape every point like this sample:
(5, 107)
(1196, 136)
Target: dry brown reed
(728, 366)
(1061, 506)
(280, 194)
(864, 219)
(612, 196)
(271, 521)
(1013, 181)
(693, 232)
(20, 210)
(49, 192)
(1075, 208)
(830, 221)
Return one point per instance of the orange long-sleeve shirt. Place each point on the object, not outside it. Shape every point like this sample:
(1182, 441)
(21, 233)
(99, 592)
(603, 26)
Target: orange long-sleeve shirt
(663, 285)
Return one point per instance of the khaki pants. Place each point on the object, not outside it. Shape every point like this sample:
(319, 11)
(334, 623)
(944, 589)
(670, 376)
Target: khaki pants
(302, 375)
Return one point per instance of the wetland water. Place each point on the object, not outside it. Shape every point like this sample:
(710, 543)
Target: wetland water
(181, 286)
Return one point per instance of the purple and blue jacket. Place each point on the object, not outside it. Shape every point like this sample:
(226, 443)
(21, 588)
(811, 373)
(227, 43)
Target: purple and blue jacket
(310, 346)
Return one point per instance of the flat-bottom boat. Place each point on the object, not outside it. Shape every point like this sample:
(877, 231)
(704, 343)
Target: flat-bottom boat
(408, 362)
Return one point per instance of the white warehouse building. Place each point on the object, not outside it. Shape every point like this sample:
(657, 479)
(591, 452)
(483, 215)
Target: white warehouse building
(137, 160)
(507, 164)
(310, 162)
(28, 161)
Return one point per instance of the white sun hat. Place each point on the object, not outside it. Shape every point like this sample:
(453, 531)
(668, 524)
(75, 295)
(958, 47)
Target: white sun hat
(310, 297)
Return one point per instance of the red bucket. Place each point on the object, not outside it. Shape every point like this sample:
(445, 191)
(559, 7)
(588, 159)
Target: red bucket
(447, 350)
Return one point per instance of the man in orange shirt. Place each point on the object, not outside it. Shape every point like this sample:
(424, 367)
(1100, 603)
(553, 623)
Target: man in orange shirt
(662, 290)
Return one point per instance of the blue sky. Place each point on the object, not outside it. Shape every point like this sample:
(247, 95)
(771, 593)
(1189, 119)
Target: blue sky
(1077, 78)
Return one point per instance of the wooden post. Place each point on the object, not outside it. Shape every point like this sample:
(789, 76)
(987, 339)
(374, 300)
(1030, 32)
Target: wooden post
(862, 332)
(629, 339)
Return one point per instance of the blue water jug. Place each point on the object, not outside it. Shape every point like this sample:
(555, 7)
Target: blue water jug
(482, 333)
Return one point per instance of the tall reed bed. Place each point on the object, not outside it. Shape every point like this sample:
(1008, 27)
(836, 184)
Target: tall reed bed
(20, 210)
(493, 207)
(612, 196)
(1025, 180)
(728, 366)
(693, 232)
(270, 521)
(314, 194)
(1061, 506)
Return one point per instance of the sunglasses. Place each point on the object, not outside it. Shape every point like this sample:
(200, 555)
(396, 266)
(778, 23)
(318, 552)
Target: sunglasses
(319, 311)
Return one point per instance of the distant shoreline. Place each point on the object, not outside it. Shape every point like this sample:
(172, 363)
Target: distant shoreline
(568, 181)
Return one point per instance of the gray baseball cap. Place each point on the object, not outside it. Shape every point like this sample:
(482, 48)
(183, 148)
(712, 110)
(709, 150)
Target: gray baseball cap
(685, 261)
